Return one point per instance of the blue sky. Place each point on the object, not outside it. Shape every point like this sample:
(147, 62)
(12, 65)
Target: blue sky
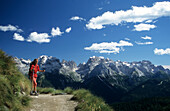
(126, 30)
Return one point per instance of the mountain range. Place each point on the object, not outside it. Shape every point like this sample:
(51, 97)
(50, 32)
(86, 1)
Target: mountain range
(112, 80)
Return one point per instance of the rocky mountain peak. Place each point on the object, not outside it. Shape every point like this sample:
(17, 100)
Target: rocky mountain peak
(95, 59)
(69, 64)
(99, 65)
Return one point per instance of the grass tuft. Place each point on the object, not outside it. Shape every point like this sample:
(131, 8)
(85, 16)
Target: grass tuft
(58, 92)
(89, 102)
(45, 90)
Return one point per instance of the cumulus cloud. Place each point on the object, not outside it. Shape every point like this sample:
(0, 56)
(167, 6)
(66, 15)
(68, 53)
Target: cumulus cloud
(143, 43)
(112, 47)
(10, 28)
(77, 18)
(134, 15)
(38, 37)
(18, 37)
(68, 30)
(147, 38)
(56, 32)
(162, 51)
(143, 27)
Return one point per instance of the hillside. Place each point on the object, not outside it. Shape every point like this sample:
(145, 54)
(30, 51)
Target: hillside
(14, 86)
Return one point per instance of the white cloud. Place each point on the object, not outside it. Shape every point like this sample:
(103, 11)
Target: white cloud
(68, 29)
(143, 43)
(100, 8)
(144, 27)
(127, 39)
(18, 37)
(134, 15)
(10, 28)
(40, 38)
(112, 47)
(147, 38)
(162, 51)
(148, 21)
(77, 18)
(56, 32)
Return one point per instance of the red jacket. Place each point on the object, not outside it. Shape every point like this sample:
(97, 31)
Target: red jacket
(36, 68)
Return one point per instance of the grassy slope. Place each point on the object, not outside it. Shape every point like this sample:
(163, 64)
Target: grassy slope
(14, 86)
(89, 102)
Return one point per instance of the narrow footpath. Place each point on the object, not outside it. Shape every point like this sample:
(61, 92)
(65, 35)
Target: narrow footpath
(46, 102)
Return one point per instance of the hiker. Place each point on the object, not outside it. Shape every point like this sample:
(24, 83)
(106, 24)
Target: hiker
(34, 67)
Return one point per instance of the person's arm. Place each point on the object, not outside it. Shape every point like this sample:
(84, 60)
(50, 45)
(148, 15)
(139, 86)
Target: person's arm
(40, 70)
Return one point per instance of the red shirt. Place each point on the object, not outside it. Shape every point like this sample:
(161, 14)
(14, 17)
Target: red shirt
(36, 68)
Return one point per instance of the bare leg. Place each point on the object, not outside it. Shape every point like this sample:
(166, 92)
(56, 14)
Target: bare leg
(35, 83)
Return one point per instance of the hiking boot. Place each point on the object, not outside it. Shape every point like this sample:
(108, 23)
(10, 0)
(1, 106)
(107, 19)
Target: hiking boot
(36, 94)
(31, 93)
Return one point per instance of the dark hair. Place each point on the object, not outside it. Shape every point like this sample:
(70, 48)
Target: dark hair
(33, 62)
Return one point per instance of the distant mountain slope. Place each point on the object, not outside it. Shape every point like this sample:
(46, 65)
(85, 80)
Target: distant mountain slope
(150, 88)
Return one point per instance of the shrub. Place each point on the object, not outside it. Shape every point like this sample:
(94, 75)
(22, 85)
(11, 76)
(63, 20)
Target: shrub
(58, 92)
(68, 90)
(45, 90)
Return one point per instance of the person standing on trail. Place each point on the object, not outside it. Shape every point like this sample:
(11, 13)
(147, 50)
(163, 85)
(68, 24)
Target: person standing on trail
(34, 67)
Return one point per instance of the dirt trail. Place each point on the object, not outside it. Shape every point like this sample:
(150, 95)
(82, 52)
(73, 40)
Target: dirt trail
(52, 103)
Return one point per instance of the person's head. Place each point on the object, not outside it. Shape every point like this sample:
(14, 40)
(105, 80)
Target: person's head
(35, 61)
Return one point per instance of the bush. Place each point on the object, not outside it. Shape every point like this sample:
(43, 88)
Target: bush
(68, 90)
(58, 92)
(14, 86)
(45, 90)
(89, 102)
